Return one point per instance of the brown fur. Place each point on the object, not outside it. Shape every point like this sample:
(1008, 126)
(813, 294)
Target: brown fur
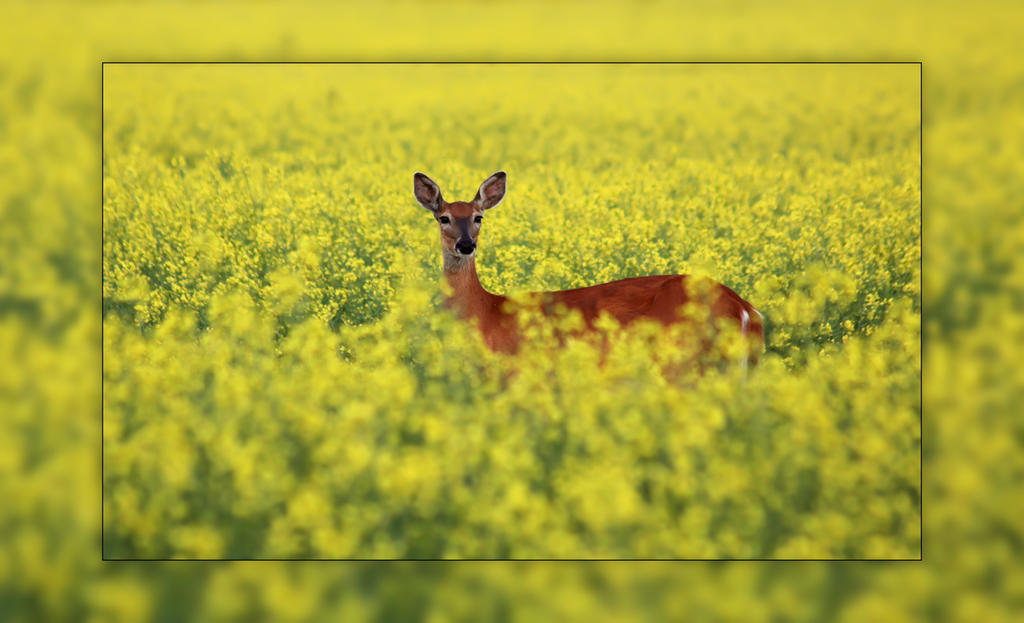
(660, 298)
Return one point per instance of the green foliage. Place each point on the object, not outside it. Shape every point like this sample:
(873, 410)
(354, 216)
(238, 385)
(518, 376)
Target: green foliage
(50, 302)
(280, 382)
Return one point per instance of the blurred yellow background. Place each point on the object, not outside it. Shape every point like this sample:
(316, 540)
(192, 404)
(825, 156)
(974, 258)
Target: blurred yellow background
(973, 234)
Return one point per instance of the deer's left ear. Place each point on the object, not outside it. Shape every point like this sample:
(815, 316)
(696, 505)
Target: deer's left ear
(491, 192)
(427, 192)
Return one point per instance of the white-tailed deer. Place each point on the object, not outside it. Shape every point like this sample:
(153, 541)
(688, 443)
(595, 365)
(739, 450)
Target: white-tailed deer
(662, 298)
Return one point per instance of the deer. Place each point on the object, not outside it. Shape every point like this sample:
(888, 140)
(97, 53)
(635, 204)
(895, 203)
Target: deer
(659, 298)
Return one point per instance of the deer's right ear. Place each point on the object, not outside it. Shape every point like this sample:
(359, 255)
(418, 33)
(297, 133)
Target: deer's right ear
(492, 191)
(427, 192)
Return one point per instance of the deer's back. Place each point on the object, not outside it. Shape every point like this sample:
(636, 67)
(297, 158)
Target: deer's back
(659, 297)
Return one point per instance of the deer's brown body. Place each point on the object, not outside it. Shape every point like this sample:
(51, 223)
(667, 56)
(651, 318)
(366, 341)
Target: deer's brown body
(660, 298)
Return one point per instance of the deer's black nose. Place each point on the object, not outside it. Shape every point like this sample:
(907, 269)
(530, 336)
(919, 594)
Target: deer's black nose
(465, 247)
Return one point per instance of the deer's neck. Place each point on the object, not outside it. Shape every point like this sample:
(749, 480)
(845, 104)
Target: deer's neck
(468, 297)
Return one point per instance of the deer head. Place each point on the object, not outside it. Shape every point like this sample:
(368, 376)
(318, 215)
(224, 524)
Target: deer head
(459, 221)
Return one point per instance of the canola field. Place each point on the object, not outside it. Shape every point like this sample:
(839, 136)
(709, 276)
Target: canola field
(280, 380)
(51, 310)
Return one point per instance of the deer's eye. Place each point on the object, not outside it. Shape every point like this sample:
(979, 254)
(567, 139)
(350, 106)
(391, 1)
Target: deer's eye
(444, 220)
(478, 219)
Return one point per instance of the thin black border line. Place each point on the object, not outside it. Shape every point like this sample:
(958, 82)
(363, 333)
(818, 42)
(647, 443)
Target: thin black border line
(103, 367)
(511, 62)
(920, 289)
(921, 190)
(511, 559)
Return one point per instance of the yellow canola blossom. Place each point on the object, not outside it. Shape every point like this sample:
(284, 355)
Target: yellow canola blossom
(281, 381)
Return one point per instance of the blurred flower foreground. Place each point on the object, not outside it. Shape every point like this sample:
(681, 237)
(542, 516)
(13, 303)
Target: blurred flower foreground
(278, 380)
